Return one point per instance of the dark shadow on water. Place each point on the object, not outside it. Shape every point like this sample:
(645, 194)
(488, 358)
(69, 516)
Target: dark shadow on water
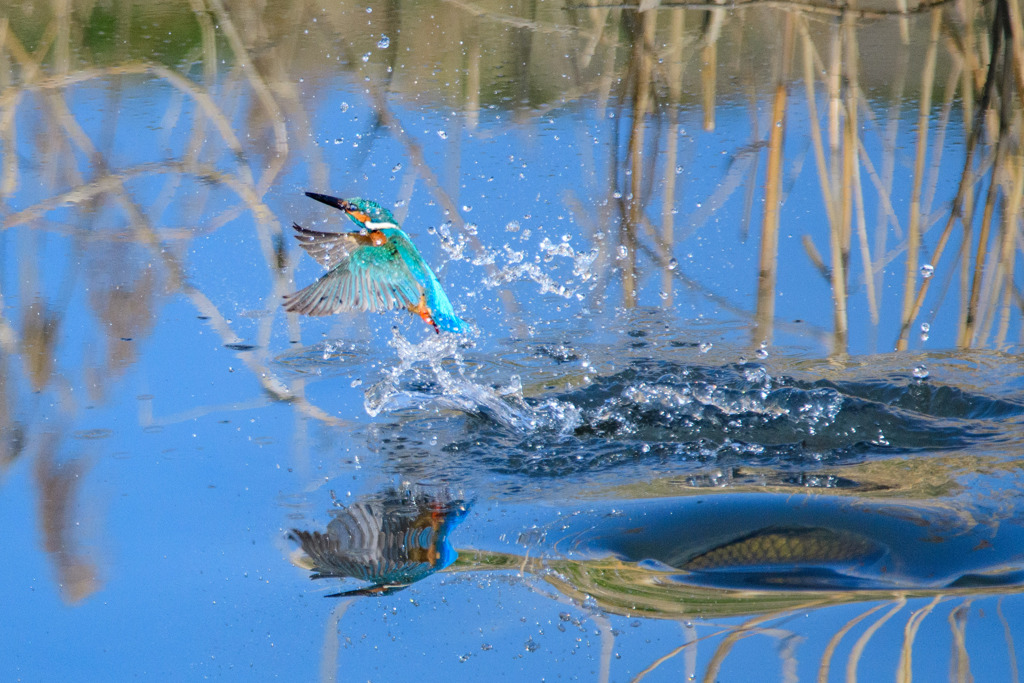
(769, 542)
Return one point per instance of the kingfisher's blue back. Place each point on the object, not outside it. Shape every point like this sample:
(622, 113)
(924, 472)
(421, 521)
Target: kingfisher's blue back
(375, 269)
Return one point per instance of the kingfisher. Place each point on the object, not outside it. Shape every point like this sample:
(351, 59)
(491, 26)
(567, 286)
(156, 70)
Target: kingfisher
(388, 540)
(376, 268)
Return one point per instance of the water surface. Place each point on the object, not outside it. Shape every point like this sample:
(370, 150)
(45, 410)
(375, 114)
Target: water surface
(743, 391)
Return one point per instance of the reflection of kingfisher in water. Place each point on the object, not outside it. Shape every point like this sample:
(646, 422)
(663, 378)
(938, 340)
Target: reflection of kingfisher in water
(377, 268)
(390, 540)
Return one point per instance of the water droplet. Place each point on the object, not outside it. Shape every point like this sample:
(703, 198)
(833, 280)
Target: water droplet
(623, 251)
(355, 383)
(531, 645)
(705, 347)
(431, 230)
(921, 372)
(384, 42)
(366, 57)
(925, 329)
(344, 106)
(927, 270)
(673, 263)
(396, 168)
(679, 169)
(443, 135)
(467, 208)
(512, 226)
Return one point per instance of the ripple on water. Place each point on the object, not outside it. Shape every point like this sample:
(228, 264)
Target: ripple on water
(325, 358)
(670, 412)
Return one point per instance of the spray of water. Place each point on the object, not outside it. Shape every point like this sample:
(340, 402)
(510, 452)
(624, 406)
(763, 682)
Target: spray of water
(433, 374)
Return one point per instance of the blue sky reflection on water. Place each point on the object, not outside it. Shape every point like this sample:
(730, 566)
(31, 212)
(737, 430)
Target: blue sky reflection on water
(164, 424)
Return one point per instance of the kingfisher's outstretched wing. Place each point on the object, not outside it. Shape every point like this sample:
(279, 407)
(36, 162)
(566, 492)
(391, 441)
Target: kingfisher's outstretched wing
(363, 275)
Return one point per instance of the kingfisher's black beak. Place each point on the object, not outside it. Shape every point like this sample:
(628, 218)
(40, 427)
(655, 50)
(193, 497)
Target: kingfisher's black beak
(330, 201)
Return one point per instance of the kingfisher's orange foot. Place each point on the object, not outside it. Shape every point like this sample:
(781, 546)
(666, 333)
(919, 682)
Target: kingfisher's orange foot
(423, 312)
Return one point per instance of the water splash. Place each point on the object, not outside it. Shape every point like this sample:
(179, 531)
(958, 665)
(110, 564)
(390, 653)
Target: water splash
(657, 415)
(518, 267)
(434, 374)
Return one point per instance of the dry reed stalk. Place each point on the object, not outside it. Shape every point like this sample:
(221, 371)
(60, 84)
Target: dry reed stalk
(1011, 220)
(814, 256)
(840, 232)
(472, 91)
(903, 22)
(1002, 47)
(332, 637)
(709, 82)
(113, 183)
(816, 137)
(746, 629)
(685, 647)
(833, 85)
(768, 254)
(960, 660)
(883, 181)
(709, 62)
(255, 79)
(865, 249)
(598, 19)
(966, 335)
(905, 668)
(677, 27)
(730, 640)
(474, 9)
(1015, 29)
(914, 223)
(939, 144)
(806, 7)
(833, 643)
(8, 132)
(1008, 636)
(858, 648)
(642, 63)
